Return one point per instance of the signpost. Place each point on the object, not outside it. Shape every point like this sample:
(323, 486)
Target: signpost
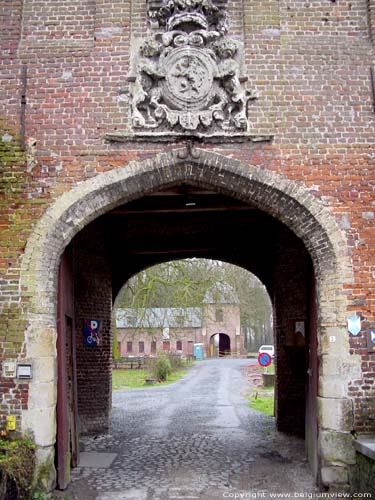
(264, 359)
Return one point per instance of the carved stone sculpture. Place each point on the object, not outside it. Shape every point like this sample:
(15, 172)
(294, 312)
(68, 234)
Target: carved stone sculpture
(188, 77)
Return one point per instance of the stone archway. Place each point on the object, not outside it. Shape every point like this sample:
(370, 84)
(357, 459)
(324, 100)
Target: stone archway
(291, 204)
(220, 345)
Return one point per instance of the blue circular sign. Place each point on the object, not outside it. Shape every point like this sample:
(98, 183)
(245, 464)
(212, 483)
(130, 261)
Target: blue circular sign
(264, 359)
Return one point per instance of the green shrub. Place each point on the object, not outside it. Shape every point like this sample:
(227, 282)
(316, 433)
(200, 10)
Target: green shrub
(39, 495)
(162, 367)
(176, 361)
(17, 462)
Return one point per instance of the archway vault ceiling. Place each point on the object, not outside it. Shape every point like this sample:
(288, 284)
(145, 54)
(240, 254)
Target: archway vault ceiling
(185, 221)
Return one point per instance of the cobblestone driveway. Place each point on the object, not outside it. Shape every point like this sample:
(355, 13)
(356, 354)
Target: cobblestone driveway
(195, 439)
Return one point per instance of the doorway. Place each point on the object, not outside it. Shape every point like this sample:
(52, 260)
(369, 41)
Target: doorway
(160, 227)
(220, 345)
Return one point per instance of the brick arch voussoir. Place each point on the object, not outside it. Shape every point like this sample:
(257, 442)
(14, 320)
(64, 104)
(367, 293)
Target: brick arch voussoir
(291, 204)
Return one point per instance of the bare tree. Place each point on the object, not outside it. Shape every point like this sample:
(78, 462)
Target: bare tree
(184, 283)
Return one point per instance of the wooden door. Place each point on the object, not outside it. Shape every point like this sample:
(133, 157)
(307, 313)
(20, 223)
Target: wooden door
(67, 435)
(312, 386)
(72, 391)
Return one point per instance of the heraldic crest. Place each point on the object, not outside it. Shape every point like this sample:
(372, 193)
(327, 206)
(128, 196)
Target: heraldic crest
(188, 74)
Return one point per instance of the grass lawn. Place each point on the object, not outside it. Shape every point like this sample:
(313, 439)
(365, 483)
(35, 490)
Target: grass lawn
(136, 379)
(265, 404)
(270, 369)
(263, 389)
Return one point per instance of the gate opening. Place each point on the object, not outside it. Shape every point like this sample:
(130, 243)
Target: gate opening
(220, 345)
(184, 221)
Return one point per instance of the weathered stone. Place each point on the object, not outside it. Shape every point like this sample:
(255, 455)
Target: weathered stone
(334, 476)
(335, 414)
(44, 369)
(45, 473)
(337, 447)
(42, 395)
(365, 444)
(332, 386)
(42, 343)
(363, 475)
(333, 365)
(40, 424)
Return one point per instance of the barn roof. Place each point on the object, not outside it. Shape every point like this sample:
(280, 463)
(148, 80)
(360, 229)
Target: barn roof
(159, 317)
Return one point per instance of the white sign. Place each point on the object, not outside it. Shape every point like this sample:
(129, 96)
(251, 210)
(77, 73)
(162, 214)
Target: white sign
(300, 327)
(354, 325)
(9, 369)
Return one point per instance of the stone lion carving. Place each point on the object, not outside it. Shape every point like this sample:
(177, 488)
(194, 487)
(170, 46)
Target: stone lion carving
(188, 78)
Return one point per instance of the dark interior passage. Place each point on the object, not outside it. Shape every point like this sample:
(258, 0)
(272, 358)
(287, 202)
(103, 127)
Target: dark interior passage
(224, 345)
(220, 345)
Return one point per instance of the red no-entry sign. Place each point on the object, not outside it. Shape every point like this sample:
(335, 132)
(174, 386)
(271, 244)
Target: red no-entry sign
(264, 359)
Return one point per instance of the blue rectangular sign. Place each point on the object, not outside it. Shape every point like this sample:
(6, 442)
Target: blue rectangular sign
(91, 332)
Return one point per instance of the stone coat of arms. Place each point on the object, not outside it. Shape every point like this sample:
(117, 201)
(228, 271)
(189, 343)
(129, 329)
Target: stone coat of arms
(188, 74)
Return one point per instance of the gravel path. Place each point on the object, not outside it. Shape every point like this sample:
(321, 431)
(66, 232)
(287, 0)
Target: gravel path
(195, 439)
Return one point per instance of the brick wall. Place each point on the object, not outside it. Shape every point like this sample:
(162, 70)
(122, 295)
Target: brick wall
(230, 325)
(309, 62)
(185, 335)
(13, 393)
(290, 306)
(58, 21)
(93, 300)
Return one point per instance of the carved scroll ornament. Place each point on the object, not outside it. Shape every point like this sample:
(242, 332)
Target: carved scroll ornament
(188, 77)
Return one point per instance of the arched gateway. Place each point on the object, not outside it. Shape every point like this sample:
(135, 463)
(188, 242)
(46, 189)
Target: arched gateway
(220, 345)
(282, 199)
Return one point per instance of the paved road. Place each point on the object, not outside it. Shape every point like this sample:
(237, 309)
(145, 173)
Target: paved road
(195, 439)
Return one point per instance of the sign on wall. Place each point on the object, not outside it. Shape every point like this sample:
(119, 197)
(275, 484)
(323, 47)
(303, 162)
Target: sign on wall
(9, 368)
(295, 334)
(371, 341)
(91, 329)
(354, 325)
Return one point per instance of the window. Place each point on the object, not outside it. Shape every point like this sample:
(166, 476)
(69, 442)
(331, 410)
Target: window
(179, 320)
(129, 346)
(141, 346)
(119, 348)
(166, 345)
(131, 320)
(219, 315)
(179, 345)
(153, 347)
